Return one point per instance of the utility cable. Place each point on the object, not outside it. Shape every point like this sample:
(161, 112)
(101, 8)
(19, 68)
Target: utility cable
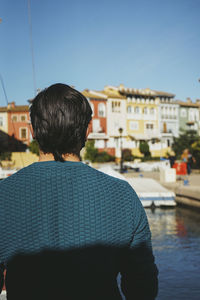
(4, 90)
(31, 44)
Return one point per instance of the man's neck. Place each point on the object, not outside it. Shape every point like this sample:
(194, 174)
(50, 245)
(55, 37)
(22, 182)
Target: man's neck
(50, 157)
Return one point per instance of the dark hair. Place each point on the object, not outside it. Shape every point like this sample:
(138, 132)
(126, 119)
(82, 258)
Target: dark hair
(60, 116)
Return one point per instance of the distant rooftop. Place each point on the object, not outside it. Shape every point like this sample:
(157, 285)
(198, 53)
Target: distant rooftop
(15, 108)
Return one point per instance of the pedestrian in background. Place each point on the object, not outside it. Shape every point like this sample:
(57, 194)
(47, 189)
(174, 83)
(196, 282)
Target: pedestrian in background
(172, 158)
(67, 230)
(188, 159)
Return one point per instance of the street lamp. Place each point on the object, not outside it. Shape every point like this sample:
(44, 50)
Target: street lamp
(121, 150)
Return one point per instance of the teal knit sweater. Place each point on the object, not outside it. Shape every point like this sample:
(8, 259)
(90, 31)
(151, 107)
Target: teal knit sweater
(69, 205)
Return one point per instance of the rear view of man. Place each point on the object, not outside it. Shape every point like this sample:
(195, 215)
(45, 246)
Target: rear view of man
(67, 230)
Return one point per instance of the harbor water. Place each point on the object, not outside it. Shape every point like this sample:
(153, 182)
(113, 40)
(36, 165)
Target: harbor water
(176, 244)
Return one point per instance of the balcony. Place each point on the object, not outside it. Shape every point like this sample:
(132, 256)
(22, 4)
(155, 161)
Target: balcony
(98, 136)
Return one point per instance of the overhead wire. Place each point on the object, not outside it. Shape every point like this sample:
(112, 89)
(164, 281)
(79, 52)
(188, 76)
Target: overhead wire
(33, 66)
(4, 90)
(31, 45)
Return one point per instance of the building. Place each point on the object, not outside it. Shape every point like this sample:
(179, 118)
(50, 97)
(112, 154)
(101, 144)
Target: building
(142, 122)
(15, 121)
(123, 117)
(98, 126)
(189, 116)
(116, 119)
(169, 117)
(3, 119)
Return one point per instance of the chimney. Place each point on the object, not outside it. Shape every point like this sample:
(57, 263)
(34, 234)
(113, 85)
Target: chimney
(11, 105)
(121, 87)
(188, 100)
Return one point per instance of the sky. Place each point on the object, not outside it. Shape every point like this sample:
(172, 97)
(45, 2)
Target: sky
(90, 43)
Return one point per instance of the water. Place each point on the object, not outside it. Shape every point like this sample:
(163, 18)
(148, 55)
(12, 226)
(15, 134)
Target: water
(176, 244)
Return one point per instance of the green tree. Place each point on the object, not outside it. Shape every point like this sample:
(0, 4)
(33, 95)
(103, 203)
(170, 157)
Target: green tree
(5, 156)
(184, 141)
(34, 147)
(144, 149)
(90, 151)
(195, 151)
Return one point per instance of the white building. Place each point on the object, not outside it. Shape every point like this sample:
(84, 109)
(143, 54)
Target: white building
(169, 118)
(116, 118)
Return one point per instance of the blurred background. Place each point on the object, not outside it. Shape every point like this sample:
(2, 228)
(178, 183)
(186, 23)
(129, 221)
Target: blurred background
(137, 63)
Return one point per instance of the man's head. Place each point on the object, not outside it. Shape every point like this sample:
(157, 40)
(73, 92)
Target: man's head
(60, 116)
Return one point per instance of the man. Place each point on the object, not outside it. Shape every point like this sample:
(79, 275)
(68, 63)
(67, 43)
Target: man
(68, 230)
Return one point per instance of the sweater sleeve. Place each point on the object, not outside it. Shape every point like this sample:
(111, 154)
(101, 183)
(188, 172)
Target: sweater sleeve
(139, 275)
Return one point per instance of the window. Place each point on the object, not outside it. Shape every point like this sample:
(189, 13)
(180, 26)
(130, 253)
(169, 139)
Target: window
(1, 121)
(96, 125)
(183, 112)
(23, 133)
(133, 125)
(23, 118)
(145, 110)
(137, 110)
(152, 111)
(116, 106)
(129, 109)
(149, 126)
(14, 118)
(164, 127)
(101, 110)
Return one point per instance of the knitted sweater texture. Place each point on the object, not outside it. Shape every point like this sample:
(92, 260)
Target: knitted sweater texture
(65, 206)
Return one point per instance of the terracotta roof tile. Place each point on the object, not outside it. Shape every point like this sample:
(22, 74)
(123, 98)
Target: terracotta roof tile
(17, 108)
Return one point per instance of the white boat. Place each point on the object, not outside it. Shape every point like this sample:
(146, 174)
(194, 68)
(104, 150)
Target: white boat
(150, 192)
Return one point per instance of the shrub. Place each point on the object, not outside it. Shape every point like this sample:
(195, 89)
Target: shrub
(5, 156)
(127, 155)
(92, 154)
(34, 147)
(144, 149)
(90, 151)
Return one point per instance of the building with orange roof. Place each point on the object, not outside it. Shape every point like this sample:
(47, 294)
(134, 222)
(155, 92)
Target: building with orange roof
(98, 125)
(15, 121)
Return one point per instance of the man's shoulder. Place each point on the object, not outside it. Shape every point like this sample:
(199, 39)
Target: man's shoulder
(109, 180)
(101, 174)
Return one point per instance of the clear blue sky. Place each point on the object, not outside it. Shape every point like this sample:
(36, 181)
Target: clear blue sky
(89, 44)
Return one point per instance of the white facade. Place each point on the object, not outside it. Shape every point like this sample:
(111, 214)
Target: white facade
(193, 116)
(4, 121)
(169, 121)
(116, 118)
